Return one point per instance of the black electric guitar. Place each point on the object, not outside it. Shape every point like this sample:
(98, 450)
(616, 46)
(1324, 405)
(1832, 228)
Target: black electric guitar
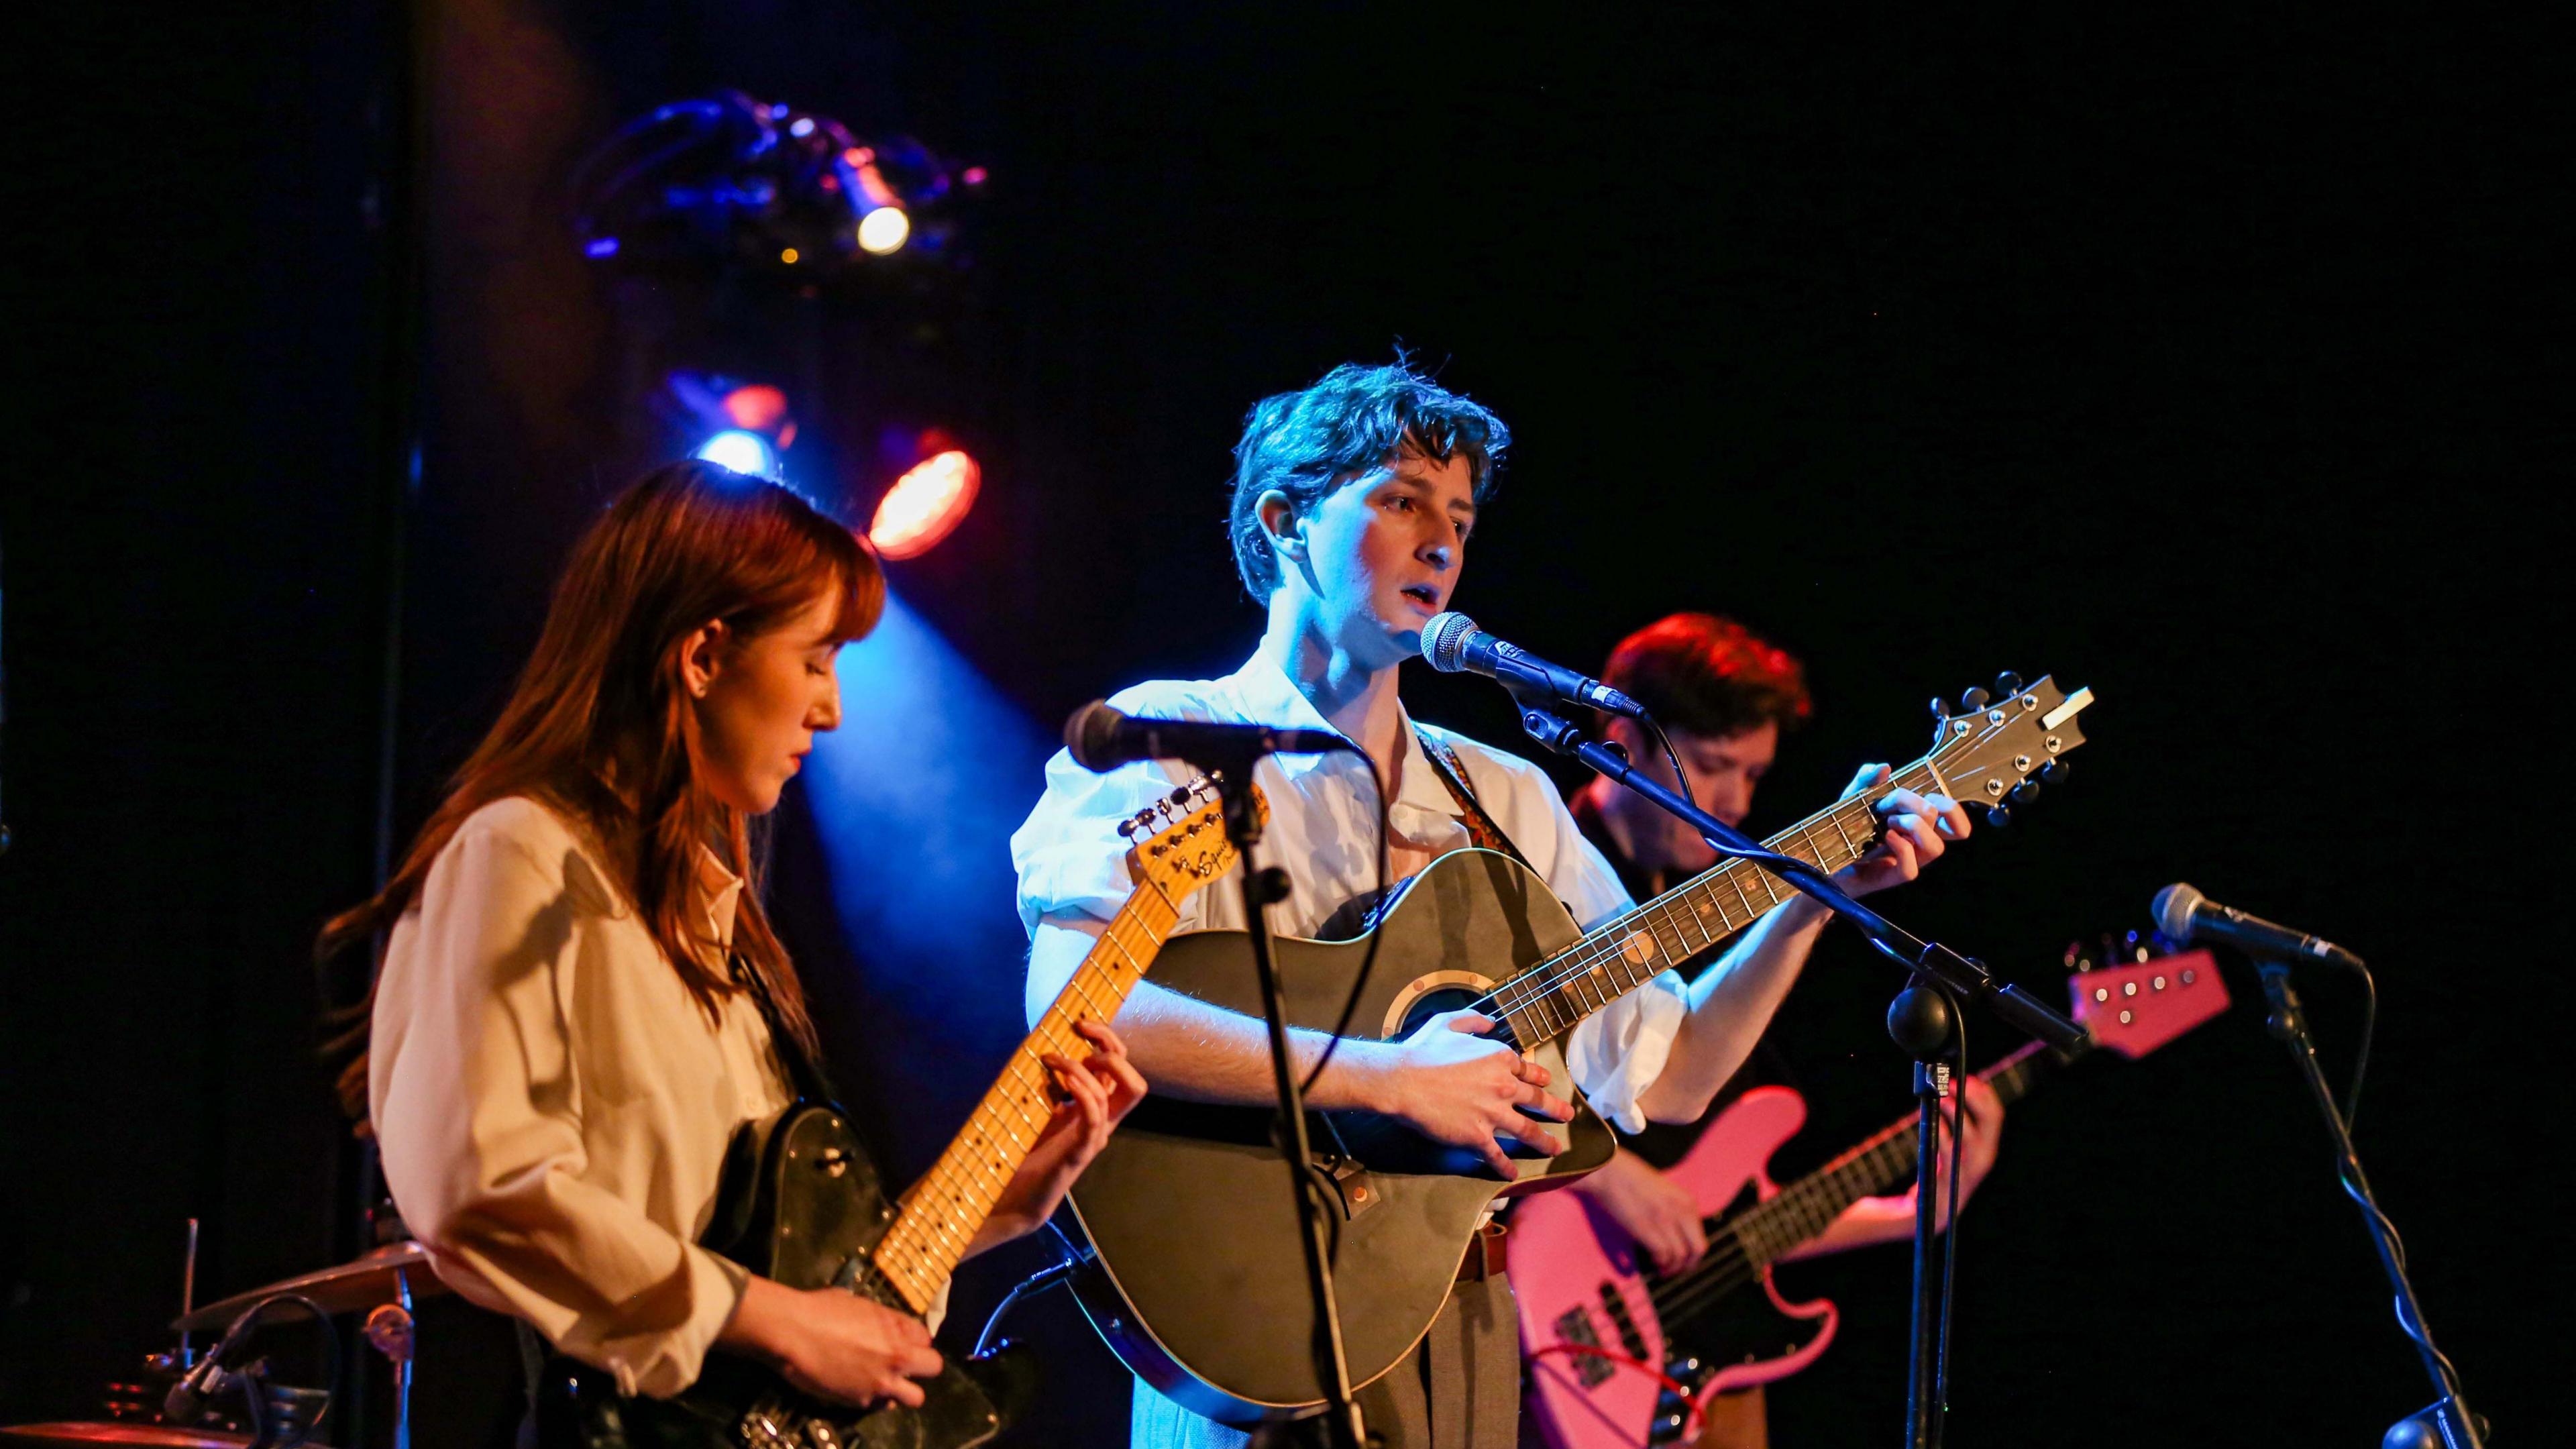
(801, 1204)
(1200, 1283)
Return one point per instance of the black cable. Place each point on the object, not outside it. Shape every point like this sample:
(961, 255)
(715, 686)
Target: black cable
(2361, 1058)
(1368, 956)
(1037, 1282)
(253, 1388)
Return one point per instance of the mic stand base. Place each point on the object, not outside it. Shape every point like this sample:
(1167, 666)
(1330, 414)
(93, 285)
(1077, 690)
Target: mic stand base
(1344, 1428)
(2446, 1423)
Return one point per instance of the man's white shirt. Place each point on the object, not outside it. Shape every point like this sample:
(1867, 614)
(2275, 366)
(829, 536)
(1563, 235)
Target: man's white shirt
(1323, 831)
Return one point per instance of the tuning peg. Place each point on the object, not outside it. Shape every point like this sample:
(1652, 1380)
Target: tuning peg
(1940, 711)
(2025, 792)
(2007, 684)
(1972, 701)
(1999, 816)
(2054, 772)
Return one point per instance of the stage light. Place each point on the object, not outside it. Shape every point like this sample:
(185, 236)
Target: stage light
(911, 799)
(882, 231)
(756, 407)
(725, 177)
(744, 452)
(925, 505)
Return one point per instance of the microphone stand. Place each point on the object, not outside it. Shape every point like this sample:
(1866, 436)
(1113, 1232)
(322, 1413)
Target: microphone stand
(2446, 1423)
(1919, 1020)
(1263, 886)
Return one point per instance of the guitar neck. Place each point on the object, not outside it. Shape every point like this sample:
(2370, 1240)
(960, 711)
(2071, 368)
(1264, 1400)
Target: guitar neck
(1548, 1000)
(1802, 1210)
(943, 1211)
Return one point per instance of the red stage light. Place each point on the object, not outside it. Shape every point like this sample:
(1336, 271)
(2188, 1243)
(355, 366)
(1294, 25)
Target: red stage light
(760, 408)
(925, 505)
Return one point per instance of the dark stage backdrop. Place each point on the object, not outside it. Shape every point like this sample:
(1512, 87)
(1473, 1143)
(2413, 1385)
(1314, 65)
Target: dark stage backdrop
(2213, 367)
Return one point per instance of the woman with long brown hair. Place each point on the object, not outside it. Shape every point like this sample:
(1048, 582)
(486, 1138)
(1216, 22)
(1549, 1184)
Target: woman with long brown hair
(581, 999)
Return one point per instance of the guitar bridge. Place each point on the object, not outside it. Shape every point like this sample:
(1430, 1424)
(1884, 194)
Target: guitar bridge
(770, 1426)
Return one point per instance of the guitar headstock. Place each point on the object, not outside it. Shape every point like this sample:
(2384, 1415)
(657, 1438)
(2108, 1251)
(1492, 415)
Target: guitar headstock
(1997, 748)
(2137, 1008)
(1180, 842)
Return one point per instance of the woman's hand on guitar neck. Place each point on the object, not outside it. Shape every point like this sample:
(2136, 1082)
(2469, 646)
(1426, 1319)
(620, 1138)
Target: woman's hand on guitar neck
(1097, 1095)
(833, 1343)
(1464, 1089)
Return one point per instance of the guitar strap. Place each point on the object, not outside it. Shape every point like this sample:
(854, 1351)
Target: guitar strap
(804, 1074)
(1480, 826)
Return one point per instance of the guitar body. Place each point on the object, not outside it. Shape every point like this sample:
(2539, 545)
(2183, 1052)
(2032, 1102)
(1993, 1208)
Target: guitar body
(801, 1204)
(1581, 1283)
(1200, 1282)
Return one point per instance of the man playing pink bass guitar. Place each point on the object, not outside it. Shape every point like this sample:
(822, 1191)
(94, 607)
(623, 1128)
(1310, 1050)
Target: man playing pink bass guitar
(1725, 697)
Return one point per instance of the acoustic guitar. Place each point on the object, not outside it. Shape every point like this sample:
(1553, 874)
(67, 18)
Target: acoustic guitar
(1196, 1278)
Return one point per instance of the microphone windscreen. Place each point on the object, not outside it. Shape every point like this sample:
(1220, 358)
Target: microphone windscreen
(1444, 641)
(1091, 736)
(2176, 906)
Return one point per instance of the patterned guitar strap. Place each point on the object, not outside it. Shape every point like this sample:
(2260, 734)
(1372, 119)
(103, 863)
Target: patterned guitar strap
(1480, 826)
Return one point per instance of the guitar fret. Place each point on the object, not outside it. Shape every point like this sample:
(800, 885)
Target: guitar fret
(1671, 953)
(944, 1211)
(1681, 923)
(1703, 906)
(1735, 878)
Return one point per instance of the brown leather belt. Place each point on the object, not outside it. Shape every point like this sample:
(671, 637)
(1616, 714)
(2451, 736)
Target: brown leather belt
(1488, 1254)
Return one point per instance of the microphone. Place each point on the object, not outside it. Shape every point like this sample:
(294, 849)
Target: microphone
(1101, 738)
(1452, 642)
(186, 1401)
(2185, 915)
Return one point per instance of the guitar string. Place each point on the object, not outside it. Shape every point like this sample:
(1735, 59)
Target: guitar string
(1808, 1206)
(940, 1238)
(1811, 1203)
(1551, 978)
(1585, 959)
(1552, 983)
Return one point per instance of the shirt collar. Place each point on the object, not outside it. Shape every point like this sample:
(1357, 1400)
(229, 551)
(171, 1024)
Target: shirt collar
(1265, 694)
(722, 891)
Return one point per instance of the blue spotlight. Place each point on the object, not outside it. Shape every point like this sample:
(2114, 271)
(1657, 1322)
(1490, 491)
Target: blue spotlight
(914, 800)
(747, 453)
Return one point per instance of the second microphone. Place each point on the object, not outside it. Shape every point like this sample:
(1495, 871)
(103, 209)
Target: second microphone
(1101, 737)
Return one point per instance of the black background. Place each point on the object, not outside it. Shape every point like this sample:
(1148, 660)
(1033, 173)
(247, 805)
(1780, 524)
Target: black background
(2217, 365)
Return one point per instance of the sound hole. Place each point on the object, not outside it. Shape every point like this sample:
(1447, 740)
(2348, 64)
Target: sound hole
(1436, 1001)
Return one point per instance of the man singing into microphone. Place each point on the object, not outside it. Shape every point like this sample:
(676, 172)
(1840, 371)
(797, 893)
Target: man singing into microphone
(1353, 502)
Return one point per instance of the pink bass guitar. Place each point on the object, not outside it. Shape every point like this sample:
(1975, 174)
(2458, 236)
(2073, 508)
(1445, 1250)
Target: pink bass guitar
(1619, 1356)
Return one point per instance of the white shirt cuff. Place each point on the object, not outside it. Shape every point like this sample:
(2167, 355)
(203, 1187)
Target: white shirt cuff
(1619, 1051)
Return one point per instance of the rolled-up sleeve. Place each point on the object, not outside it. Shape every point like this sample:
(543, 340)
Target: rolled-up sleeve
(1616, 1053)
(477, 1100)
(1070, 857)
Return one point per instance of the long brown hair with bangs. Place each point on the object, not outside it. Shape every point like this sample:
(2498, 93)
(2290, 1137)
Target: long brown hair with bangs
(599, 726)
